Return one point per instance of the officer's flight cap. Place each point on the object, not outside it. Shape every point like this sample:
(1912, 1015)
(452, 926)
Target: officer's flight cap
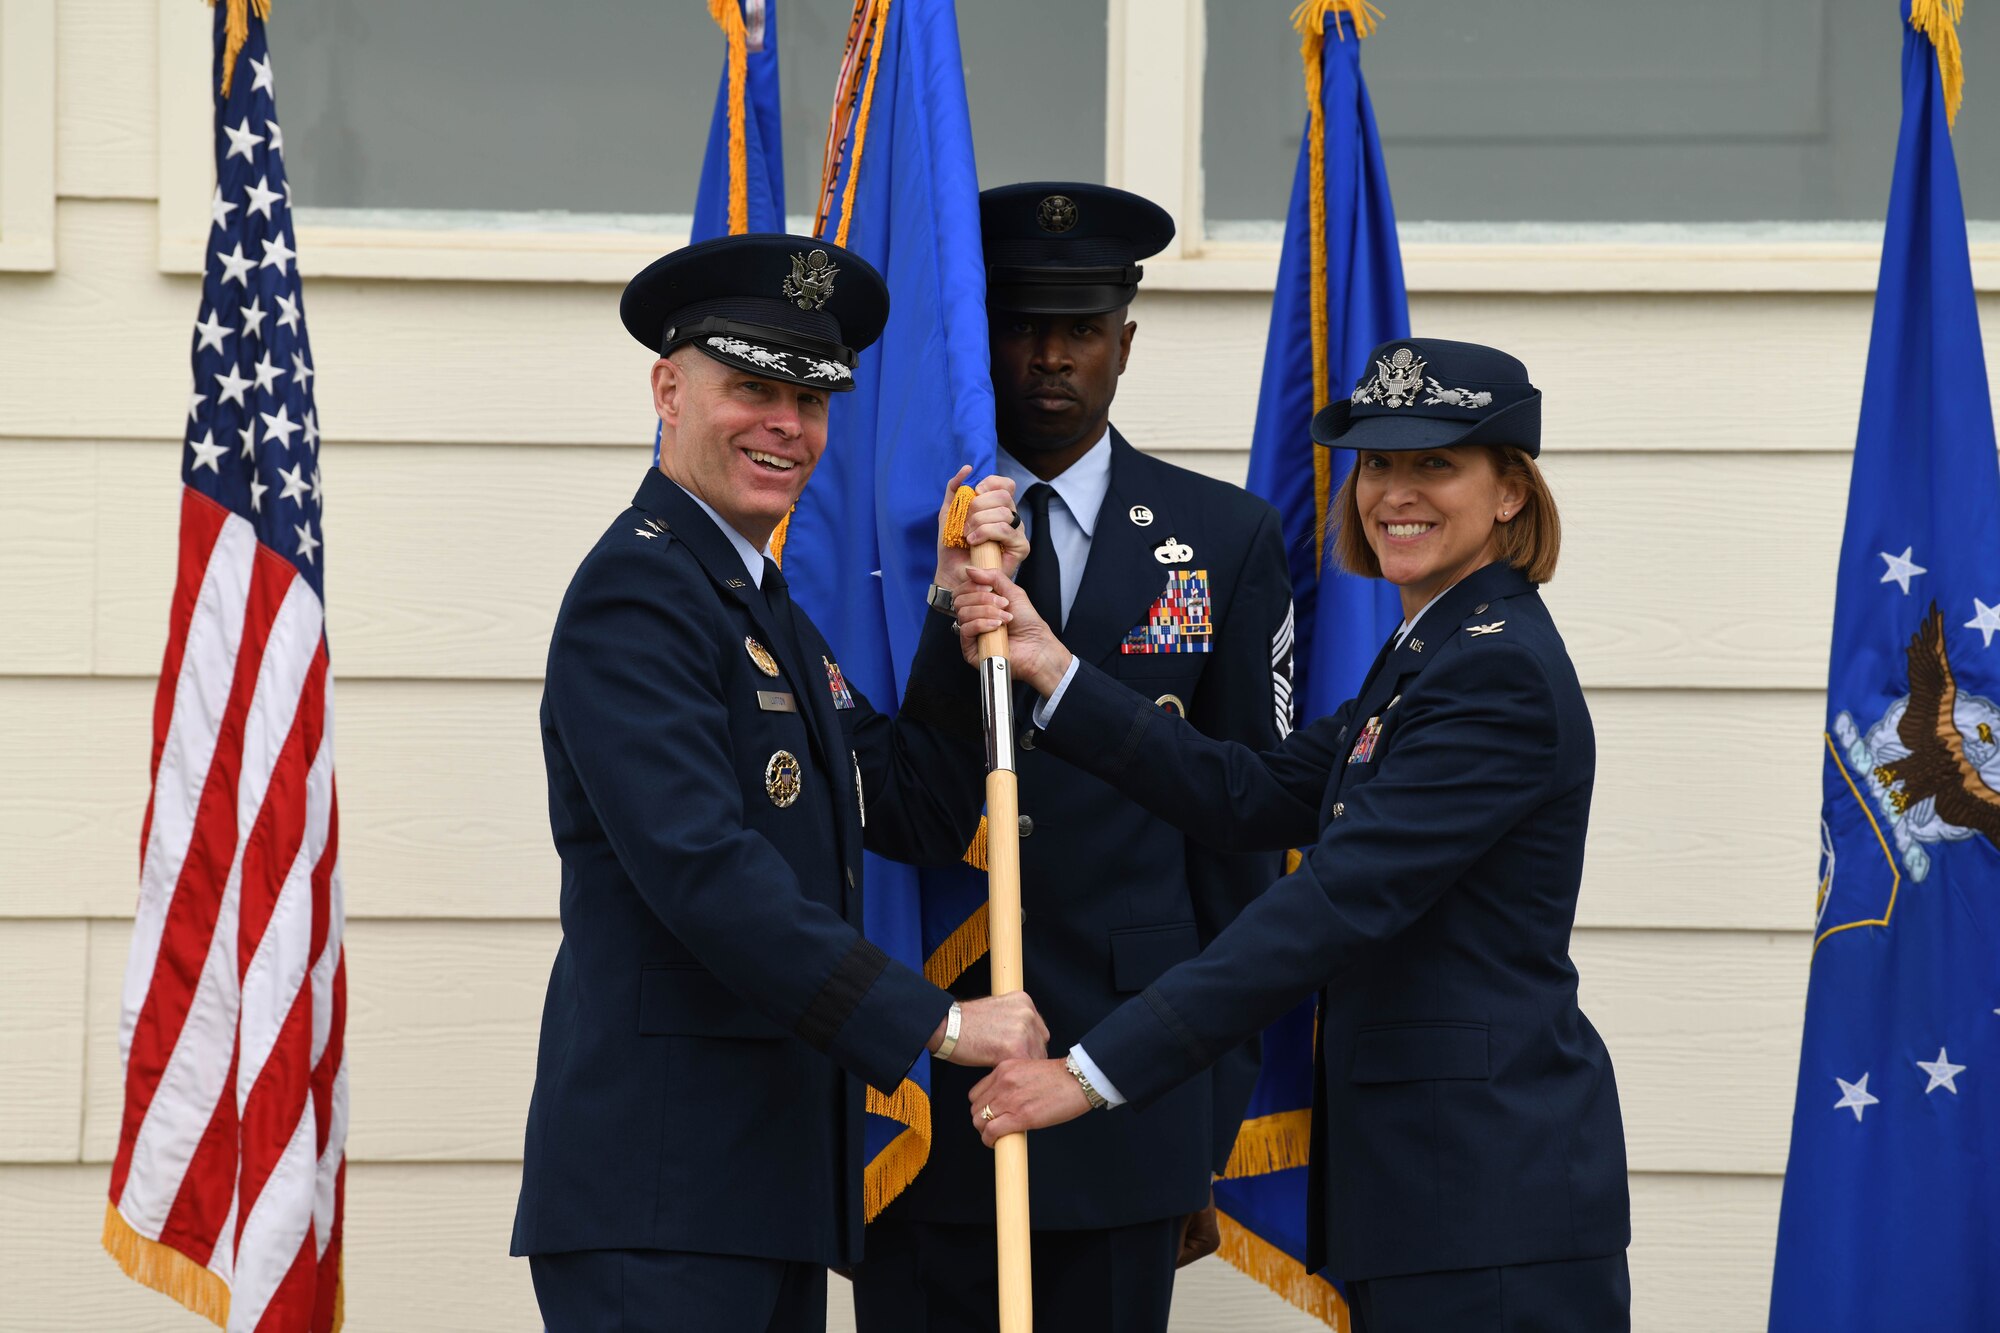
(784, 307)
(1428, 393)
(1067, 248)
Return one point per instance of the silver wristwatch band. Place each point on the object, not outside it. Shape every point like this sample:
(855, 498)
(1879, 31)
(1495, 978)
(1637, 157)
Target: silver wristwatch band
(1090, 1094)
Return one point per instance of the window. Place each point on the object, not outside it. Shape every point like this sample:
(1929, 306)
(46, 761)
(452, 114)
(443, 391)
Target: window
(1737, 112)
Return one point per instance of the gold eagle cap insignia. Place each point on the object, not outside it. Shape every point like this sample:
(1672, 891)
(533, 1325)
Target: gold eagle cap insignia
(810, 284)
(1056, 214)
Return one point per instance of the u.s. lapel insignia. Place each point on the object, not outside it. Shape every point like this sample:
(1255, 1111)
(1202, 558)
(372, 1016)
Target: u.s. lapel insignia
(1172, 704)
(1173, 551)
(1141, 516)
(1493, 628)
(782, 778)
(1416, 645)
(734, 583)
(760, 656)
(837, 683)
(1365, 743)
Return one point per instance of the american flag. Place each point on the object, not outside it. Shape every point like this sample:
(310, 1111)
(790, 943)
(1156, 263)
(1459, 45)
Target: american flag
(228, 1186)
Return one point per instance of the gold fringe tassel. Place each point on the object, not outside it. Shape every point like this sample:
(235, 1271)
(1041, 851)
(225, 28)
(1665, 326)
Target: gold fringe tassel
(1309, 21)
(960, 950)
(897, 1165)
(1938, 20)
(235, 32)
(728, 16)
(778, 536)
(1270, 1143)
(166, 1270)
(1257, 1258)
(975, 851)
(861, 121)
(954, 531)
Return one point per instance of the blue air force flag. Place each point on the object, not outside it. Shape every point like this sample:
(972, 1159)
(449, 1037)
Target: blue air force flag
(1891, 1212)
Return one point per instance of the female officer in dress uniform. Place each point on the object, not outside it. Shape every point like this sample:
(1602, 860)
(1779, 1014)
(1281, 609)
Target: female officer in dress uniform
(1468, 1158)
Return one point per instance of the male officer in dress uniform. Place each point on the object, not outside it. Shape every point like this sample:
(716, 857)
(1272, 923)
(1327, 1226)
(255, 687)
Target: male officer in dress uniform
(693, 1154)
(1178, 585)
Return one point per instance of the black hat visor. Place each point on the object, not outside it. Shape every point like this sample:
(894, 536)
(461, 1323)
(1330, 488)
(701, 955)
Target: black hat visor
(1051, 290)
(1518, 424)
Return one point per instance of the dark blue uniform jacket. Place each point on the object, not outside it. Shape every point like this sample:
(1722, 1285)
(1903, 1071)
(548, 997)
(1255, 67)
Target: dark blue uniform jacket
(714, 1011)
(1466, 1114)
(1114, 895)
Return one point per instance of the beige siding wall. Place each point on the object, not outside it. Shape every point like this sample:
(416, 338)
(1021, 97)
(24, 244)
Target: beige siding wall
(480, 433)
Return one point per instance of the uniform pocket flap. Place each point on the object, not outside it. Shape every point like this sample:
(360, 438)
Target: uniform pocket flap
(1141, 953)
(691, 1002)
(1415, 1051)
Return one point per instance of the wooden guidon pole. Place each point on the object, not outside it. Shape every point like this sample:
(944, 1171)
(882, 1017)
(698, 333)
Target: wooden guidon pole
(1003, 926)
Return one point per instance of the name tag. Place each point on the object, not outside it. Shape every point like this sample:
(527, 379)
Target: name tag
(776, 701)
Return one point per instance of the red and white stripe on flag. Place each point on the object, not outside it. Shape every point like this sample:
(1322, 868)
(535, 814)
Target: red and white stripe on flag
(228, 1186)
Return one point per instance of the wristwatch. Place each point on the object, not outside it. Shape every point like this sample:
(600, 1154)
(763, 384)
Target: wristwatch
(951, 1025)
(1090, 1094)
(941, 600)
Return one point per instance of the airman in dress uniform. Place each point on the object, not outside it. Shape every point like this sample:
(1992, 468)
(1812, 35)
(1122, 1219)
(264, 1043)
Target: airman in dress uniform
(1177, 585)
(1468, 1155)
(693, 1156)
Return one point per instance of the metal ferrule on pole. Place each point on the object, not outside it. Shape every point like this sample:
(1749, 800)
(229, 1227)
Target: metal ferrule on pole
(996, 699)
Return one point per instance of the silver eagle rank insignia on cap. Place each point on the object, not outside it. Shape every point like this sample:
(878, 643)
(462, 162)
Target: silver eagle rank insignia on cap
(810, 285)
(1056, 214)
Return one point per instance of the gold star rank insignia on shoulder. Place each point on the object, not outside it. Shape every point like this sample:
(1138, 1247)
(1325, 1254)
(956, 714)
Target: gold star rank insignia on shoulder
(1493, 628)
(782, 778)
(760, 656)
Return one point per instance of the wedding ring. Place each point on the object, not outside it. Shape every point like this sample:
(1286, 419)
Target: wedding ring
(987, 1112)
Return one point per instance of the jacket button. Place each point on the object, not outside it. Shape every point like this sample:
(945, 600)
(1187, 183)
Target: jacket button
(1027, 826)
(1028, 739)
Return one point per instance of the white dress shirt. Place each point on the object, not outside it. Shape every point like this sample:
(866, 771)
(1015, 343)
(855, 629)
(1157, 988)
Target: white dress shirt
(1079, 494)
(753, 562)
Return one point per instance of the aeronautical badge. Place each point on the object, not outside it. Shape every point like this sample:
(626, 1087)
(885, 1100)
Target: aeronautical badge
(782, 776)
(842, 696)
(810, 285)
(1057, 213)
(1931, 765)
(1179, 620)
(760, 656)
(1365, 743)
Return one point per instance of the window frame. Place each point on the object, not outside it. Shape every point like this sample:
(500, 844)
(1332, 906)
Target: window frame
(27, 136)
(1155, 53)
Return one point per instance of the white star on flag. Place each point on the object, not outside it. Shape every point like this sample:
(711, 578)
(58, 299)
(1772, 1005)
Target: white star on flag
(312, 439)
(1942, 1072)
(262, 74)
(253, 319)
(307, 545)
(206, 451)
(277, 141)
(1902, 569)
(220, 209)
(243, 140)
(280, 424)
(267, 373)
(261, 196)
(195, 400)
(236, 265)
(294, 478)
(248, 434)
(290, 318)
(316, 500)
(301, 371)
(1985, 619)
(211, 331)
(277, 253)
(257, 489)
(232, 386)
(1854, 1096)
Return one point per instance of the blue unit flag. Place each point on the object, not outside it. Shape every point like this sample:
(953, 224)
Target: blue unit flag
(1339, 293)
(1891, 1211)
(861, 547)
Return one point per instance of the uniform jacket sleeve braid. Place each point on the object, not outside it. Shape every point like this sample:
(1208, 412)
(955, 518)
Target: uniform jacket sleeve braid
(1477, 753)
(923, 773)
(1239, 700)
(634, 690)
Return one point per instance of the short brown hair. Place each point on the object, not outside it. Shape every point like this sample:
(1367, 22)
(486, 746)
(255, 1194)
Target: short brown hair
(1530, 541)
